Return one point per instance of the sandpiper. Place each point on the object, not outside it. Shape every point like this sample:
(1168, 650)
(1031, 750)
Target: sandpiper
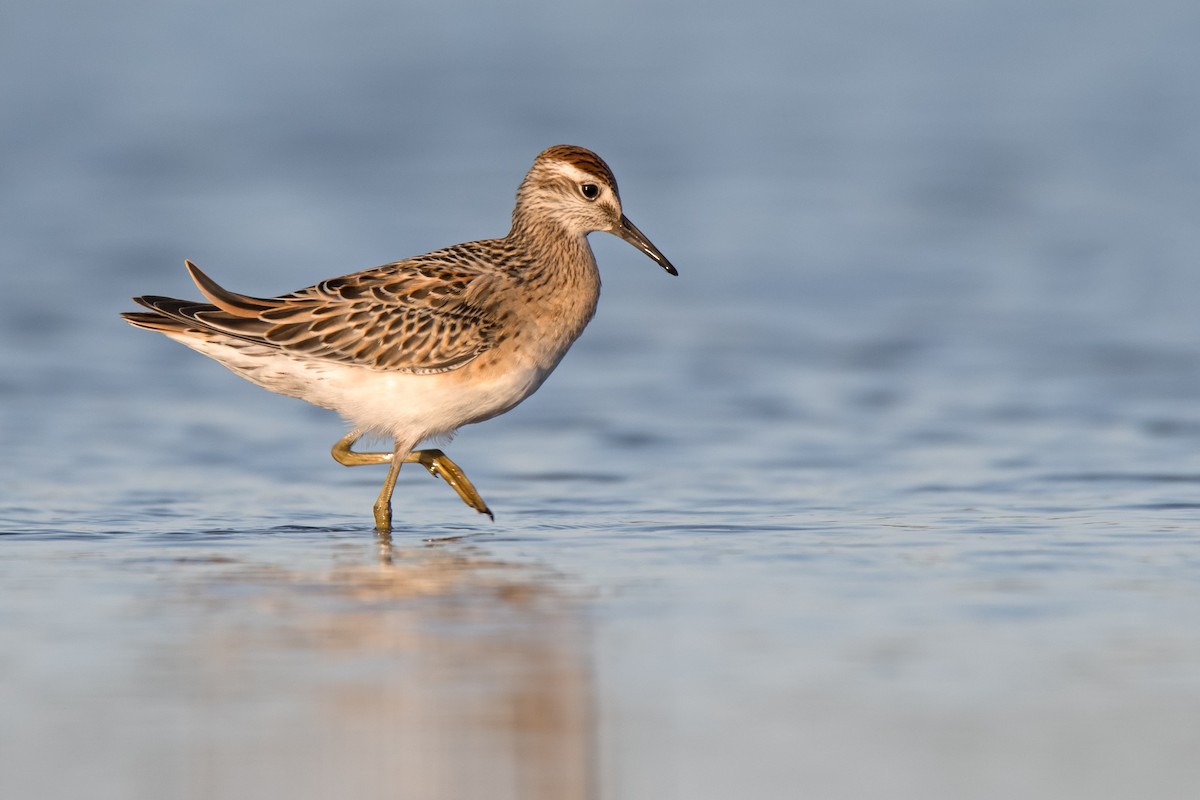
(417, 348)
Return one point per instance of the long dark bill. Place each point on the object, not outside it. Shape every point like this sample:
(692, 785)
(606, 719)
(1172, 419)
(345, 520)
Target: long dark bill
(630, 233)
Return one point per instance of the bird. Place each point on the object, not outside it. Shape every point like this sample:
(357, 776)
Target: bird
(415, 349)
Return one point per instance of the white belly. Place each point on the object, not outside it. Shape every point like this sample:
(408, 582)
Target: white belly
(414, 407)
(394, 404)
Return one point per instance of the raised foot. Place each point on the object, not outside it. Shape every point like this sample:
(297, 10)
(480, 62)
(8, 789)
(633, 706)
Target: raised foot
(438, 463)
(442, 466)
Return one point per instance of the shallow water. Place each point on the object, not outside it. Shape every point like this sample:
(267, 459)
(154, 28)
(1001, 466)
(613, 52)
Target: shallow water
(895, 491)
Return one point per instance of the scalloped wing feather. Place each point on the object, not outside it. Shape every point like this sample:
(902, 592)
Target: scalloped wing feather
(410, 316)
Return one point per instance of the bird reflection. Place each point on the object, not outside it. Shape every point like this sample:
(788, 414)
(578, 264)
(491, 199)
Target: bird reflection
(434, 672)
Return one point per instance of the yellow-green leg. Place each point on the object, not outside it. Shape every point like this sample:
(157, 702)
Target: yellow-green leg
(435, 461)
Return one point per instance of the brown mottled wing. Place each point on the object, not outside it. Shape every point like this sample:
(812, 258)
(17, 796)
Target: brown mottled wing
(423, 315)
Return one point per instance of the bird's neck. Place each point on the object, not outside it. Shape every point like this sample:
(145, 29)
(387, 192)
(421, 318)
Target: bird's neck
(561, 277)
(564, 256)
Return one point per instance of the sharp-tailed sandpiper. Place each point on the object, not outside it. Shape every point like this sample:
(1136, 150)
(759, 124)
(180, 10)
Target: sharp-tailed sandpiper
(415, 349)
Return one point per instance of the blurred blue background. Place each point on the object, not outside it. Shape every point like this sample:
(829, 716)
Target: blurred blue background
(902, 470)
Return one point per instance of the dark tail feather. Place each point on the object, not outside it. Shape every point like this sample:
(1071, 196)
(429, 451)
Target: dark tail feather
(239, 305)
(231, 314)
(158, 322)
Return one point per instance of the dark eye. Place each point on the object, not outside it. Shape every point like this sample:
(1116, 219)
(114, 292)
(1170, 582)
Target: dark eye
(590, 190)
